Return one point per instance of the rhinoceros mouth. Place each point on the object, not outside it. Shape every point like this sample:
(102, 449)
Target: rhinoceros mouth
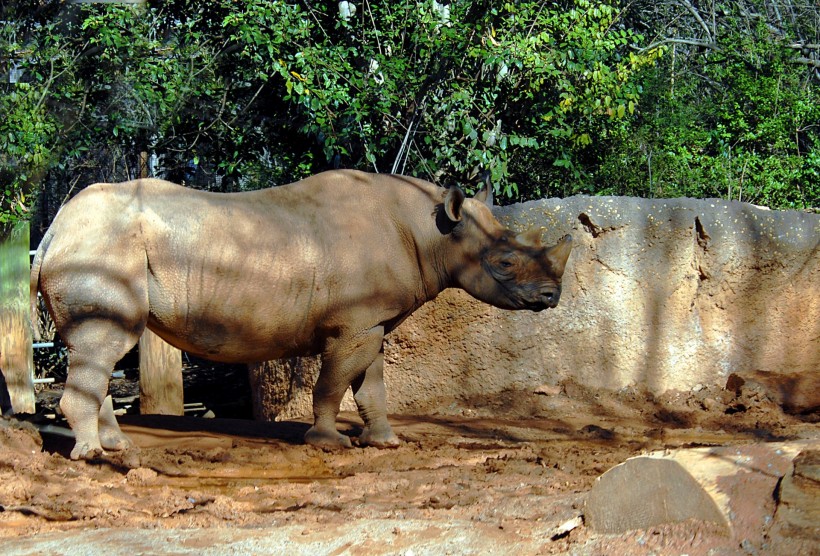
(537, 306)
(515, 299)
(532, 299)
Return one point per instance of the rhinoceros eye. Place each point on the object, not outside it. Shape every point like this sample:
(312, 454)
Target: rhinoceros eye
(506, 261)
(503, 266)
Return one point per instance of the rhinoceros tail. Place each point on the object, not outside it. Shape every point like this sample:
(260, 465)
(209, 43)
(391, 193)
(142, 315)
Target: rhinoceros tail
(34, 282)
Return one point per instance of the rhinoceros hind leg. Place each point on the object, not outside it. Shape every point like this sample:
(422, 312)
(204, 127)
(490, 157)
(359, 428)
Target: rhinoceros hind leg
(111, 437)
(94, 346)
(81, 402)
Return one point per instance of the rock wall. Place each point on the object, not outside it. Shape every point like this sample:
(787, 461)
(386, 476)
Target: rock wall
(665, 294)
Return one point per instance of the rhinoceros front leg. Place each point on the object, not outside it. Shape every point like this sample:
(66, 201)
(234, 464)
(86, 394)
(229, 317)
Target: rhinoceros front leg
(371, 398)
(345, 360)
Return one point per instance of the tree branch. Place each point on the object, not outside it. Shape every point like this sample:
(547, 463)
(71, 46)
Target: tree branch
(251, 101)
(404, 150)
(693, 42)
(699, 19)
(807, 61)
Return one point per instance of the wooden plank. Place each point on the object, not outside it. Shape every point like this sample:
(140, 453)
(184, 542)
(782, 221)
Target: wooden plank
(16, 355)
(160, 376)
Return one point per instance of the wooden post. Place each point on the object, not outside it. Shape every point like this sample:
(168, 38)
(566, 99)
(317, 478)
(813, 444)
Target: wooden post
(160, 364)
(16, 355)
(160, 376)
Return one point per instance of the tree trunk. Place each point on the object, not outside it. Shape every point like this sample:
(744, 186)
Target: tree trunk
(733, 487)
(281, 389)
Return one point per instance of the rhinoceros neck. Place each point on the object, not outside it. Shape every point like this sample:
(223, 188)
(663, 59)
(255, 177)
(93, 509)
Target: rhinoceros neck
(425, 245)
(435, 273)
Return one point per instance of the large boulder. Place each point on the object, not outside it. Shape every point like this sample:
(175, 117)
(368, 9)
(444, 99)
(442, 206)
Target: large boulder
(665, 294)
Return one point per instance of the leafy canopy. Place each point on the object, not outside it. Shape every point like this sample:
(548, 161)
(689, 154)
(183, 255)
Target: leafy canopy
(553, 98)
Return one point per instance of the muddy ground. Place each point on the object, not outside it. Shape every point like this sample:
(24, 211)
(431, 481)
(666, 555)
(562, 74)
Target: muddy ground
(492, 476)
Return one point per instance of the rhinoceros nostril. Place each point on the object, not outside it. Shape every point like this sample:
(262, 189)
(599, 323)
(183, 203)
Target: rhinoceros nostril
(550, 298)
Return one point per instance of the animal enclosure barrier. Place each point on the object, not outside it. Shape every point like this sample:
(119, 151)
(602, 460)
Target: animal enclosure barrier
(16, 352)
(160, 376)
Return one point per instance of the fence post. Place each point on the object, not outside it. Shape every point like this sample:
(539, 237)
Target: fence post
(16, 354)
(160, 376)
(160, 364)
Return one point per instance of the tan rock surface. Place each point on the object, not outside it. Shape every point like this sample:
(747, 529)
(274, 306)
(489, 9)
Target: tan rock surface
(664, 294)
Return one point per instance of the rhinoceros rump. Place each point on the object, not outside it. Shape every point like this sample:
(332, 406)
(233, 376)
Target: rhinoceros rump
(325, 266)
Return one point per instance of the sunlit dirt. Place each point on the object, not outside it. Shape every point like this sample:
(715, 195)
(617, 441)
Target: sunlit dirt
(516, 466)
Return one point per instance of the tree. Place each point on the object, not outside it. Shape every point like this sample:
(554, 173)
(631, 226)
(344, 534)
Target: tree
(552, 97)
(420, 87)
(413, 87)
(733, 109)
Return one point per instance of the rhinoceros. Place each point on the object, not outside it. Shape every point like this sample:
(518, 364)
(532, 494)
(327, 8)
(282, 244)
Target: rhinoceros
(327, 265)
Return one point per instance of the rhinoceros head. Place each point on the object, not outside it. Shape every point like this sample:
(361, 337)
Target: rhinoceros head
(496, 265)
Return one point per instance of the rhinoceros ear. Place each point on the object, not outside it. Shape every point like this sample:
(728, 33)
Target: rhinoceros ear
(558, 254)
(485, 194)
(453, 202)
(531, 237)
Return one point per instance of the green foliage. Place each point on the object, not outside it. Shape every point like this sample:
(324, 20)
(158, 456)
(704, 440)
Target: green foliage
(738, 122)
(553, 98)
(271, 88)
(27, 128)
(401, 89)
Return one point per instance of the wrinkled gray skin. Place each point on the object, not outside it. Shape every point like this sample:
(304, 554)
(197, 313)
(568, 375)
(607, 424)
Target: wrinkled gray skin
(325, 266)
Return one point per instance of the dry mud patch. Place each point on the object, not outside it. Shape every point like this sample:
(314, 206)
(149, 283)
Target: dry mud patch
(490, 476)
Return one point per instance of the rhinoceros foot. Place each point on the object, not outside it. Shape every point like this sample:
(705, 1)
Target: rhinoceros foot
(379, 437)
(111, 437)
(114, 441)
(87, 451)
(327, 439)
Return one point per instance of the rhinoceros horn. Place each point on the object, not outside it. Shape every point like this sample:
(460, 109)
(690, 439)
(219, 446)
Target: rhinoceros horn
(558, 254)
(531, 237)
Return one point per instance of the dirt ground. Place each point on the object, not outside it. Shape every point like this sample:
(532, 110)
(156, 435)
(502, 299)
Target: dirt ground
(493, 476)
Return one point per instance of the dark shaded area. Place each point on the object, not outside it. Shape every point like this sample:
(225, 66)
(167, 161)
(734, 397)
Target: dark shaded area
(797, 393)
(288, 431)
(221, 388)
(5, 400)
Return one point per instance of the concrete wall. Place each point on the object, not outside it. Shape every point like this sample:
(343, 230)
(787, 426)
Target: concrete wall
(665, 294)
